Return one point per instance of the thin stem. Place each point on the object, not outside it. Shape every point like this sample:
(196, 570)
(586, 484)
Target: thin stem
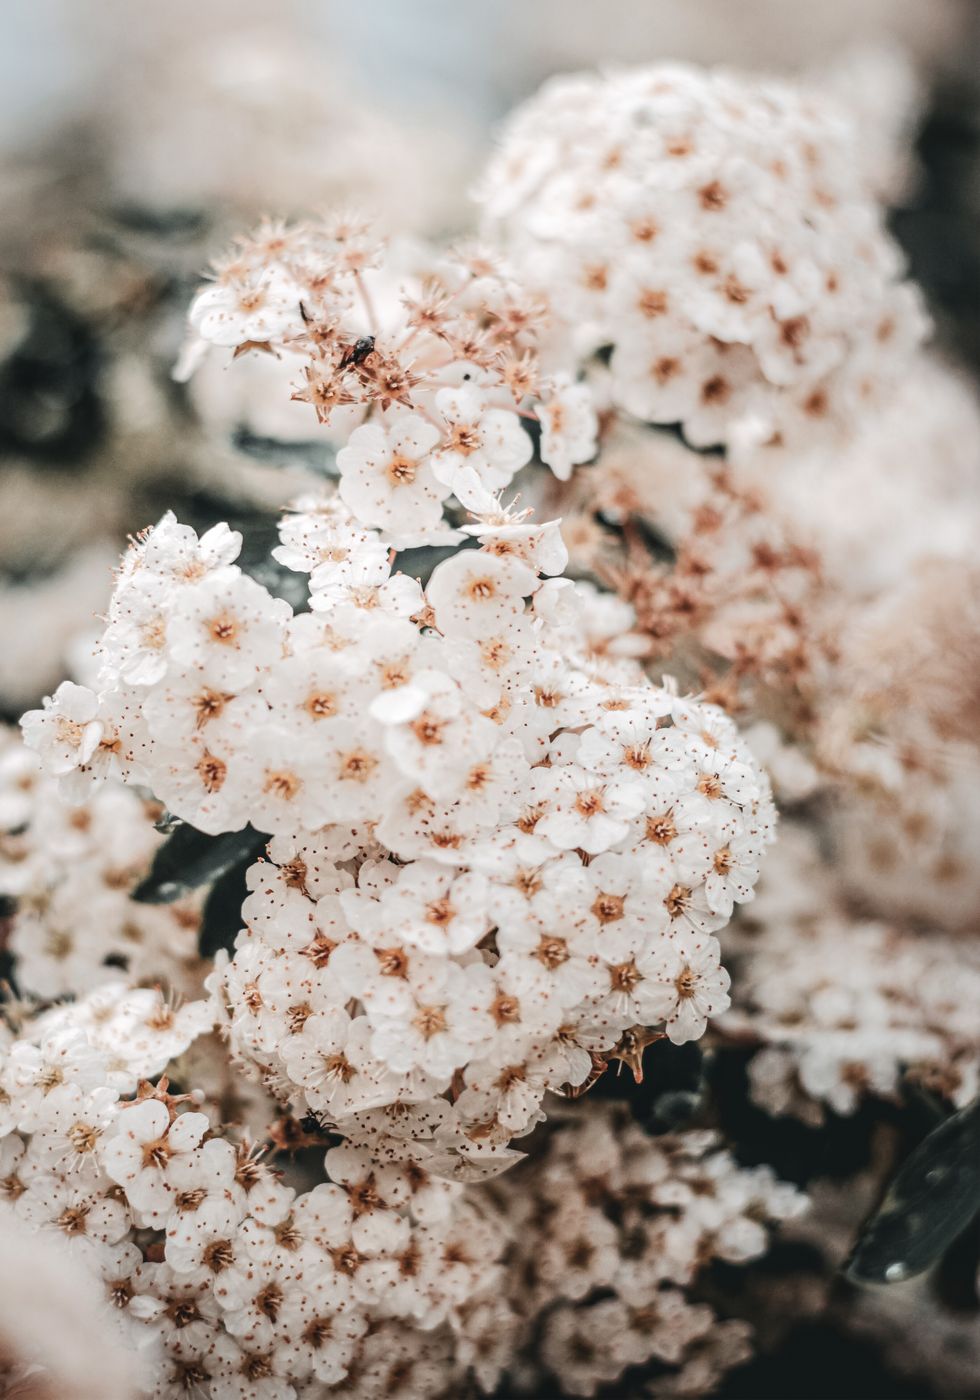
(369, 310)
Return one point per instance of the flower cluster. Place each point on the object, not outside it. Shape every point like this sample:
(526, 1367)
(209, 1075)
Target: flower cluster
(226, 1282)
(726, 592)
(906, 838)
(904, 728)
(70, 872)
(845, 618)
(610, 1231)
(901, 488)
(715, 234)
(425, 367)
(844, 1008)
(225, 1279)
(496, 847)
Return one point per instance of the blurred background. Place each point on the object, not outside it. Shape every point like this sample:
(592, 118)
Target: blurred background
(135, 140)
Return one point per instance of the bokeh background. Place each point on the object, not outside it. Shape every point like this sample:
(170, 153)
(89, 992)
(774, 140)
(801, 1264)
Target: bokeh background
(135, 139)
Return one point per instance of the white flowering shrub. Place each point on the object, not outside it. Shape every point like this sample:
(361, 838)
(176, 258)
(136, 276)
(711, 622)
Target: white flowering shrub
(715, 236)
(372, 840)
(495, 848)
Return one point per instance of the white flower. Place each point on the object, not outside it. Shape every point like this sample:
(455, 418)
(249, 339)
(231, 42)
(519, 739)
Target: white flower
(505, 531)
(79, 1208)
(242, 308)
(483, 446)
(568, 426)
(733, 874)
(436, 909)
(174, 552)
(438, 1023)
(66, 732)
(690, 986)
(227, 627)
(435, 746)
(713, 231)
(331, 1058)
(587, 812)
(44, 1084)
(290, 787)
(139, 1154)
(474, 592)
(490, 836)
(386, 479)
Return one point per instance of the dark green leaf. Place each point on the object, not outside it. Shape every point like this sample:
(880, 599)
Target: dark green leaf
(189, 858)
(933, 1197)
(316, 455)
(221, 918)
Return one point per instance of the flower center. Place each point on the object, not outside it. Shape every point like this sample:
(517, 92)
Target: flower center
(661, 830)
(624, 977)
(551, 952)
(223, 629)
(589, 804)
(463, 438)
(676, 900)
(212, 772)
(686, 983)
(208, 704)
(401, 471)
(358, 765)
(430, 1021)
(284, 785)
(321, 705)
(608, 907)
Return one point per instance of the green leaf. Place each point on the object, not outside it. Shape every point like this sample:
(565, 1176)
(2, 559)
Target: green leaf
(189, 858)
(221, 918)
(933, 1198)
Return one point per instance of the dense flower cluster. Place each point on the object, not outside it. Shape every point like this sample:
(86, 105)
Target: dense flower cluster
(717, 236)
(226, 1282)
(70, 872)
(497, 848)
(610, 1230)
(468, 810)
(425, 366)
(845, 1007)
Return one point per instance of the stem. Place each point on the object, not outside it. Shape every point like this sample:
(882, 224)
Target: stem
(368, 303)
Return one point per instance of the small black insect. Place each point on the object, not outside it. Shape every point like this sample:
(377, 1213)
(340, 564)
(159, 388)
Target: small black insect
(357, 353)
